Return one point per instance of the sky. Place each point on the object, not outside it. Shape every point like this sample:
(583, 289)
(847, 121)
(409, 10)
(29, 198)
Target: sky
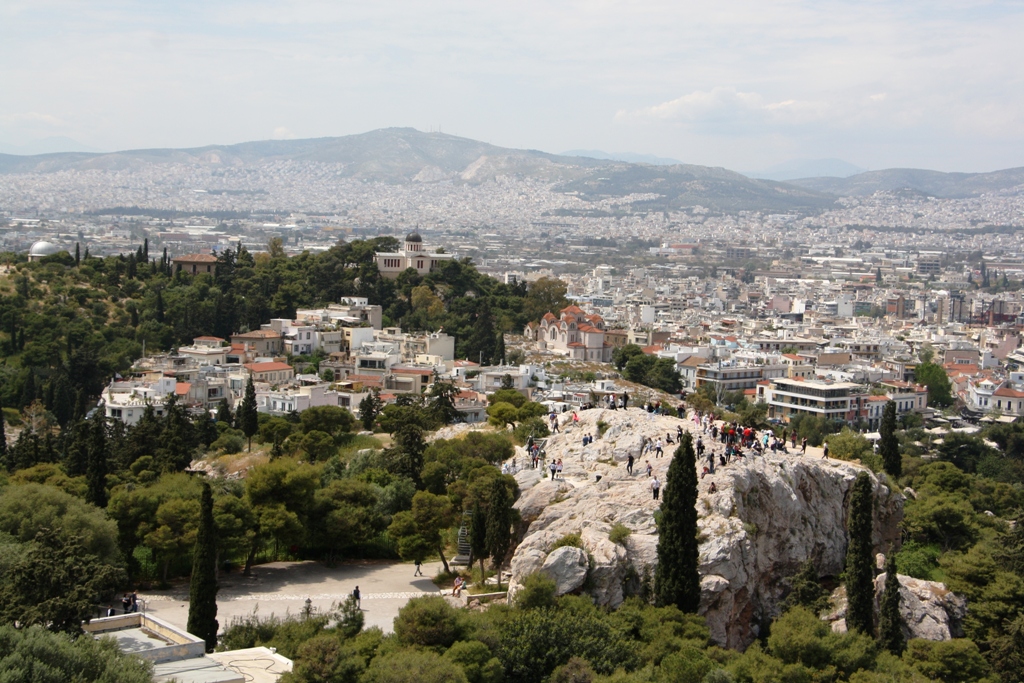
(743, 84)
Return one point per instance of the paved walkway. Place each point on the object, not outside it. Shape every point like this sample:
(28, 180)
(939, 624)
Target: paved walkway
(282, 588)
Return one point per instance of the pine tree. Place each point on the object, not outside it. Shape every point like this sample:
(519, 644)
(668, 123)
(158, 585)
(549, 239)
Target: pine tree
(676, 581)
(498, 536)
(96, 467)
(860, 588)
(889, 446)
(478, 538)
(202, 591)
(248, 417)
(890, 629)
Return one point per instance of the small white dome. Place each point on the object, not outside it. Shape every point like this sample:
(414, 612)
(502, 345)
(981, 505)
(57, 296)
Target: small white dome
(43, 248)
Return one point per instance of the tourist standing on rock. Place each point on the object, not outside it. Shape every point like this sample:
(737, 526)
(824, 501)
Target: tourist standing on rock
(625, 400)
(700, 446)
(629, 464)
(679, 433)
(649, 468)
(658, 450)
(559, 468)
(655, 487)
(553, 466)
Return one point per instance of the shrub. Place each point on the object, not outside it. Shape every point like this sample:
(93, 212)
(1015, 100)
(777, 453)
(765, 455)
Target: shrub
(228, 443)
(428, 622)
(619, 533)
(573, 540)
(413, 666)
(538, 590)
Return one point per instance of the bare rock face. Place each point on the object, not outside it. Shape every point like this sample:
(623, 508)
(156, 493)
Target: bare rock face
(768, 516)
(567, 566)
(928, 609)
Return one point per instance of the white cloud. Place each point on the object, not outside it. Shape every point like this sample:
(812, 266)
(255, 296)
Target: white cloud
(726, 104)
(282, 133)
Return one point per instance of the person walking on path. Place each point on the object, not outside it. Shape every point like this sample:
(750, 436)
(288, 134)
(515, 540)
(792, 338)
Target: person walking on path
(649, 468)
(419, 570)
(629, 464)
(655, 487)
(803, 446)
(358, 598)
(824, 451)
(560, 469)
(553, 466)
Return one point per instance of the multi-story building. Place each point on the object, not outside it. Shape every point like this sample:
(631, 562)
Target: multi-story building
(787, 398)
(723, 377)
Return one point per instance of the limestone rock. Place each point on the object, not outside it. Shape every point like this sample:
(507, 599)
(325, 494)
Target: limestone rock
(568, 567)
(928, 609)
(770, 514)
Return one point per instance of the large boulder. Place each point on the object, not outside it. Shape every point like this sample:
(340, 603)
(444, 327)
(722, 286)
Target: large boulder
(567, 566)
(928, 609)
(768, 517)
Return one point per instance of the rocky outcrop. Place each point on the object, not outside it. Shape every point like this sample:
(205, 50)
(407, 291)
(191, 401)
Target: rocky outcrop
(928, 609)
(567, 566)
(768, 516)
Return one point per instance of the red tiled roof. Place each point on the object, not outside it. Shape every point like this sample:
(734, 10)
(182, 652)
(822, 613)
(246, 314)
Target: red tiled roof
(207, 339)
(195, 258)
(1007, 392)
(267, 367)
(182, 388)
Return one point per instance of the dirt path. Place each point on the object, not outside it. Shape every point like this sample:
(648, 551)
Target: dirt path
(282, 588)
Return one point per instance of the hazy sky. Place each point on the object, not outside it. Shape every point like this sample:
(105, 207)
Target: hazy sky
(741, 84)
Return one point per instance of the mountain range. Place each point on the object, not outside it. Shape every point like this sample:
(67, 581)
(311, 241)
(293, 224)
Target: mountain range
(405, 155)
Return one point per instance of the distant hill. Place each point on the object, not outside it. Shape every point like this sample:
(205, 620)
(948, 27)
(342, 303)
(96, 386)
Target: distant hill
(933, 183)
(686, 185)
(628, 157)
(405, 155)
(807, 168)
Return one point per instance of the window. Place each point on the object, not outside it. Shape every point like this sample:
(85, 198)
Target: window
(115, 412)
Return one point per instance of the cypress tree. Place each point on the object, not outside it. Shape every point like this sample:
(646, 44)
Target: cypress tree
(889, 447)
(202, 590)
(499, 349)
(478, 538)
(498, 535)
(78, 254)
(248, 416)
(860, 588)
(145, 250)
(96, 467)
(890, 630)
(224, 412)
(159, 306)
(63, 406)
(676, 581)
(28, 389)
(3, 440)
